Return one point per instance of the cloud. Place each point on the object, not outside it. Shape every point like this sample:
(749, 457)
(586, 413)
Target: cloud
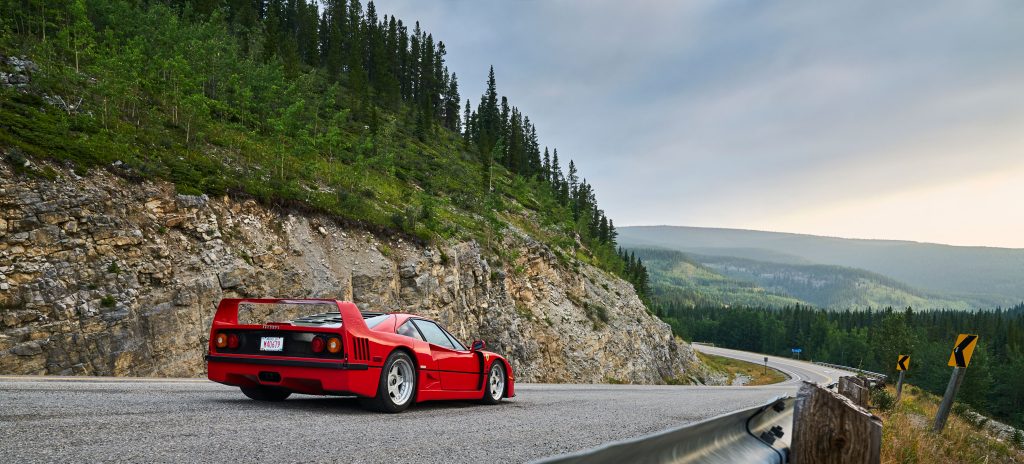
(742, 113)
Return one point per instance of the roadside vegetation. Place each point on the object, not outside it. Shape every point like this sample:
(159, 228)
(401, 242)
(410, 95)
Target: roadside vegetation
(339, 110)
(907, 436)
(756, 373)
(872, 340)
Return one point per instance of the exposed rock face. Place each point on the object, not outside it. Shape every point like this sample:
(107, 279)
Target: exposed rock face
(101, 276)
(16, 72)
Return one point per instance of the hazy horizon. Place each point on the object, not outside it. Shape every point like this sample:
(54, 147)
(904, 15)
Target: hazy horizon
(868, 120)
(790, 232)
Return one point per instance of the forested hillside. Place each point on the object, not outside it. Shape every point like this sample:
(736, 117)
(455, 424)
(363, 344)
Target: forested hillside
(700, 280)
(872, 340)
(983, 277)
(339, 109)
(680, 280)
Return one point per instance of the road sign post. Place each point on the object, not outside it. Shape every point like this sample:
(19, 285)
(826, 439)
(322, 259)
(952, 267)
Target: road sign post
(765, 365)
(947, 400)
(902, 364)
(899, 387)
(959, 360)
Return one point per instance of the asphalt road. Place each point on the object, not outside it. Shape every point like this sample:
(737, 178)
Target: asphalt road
(798, 371)
(186, 420)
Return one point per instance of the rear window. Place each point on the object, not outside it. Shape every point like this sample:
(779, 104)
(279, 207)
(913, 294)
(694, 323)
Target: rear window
(374, 321)
(317, 313)
(305, 313)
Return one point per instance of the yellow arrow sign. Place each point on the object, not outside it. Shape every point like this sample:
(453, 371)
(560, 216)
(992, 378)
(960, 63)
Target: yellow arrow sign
(962, 351)
(903, 362)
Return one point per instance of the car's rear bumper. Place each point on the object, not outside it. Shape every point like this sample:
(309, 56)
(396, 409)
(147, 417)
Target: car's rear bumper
(301, 376)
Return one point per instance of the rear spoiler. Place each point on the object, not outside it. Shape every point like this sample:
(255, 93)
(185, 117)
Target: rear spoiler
(227, 310)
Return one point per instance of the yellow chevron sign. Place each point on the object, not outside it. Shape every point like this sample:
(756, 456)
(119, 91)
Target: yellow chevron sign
(903, 362)
(962, 351)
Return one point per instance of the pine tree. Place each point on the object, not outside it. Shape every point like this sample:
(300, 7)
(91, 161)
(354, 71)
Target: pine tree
(451, 109)
(546, 169)
(334, 37)
(603, 231)
(572, 188)
(556, 172)
(533, 150)
(490, 127)
(467, 122)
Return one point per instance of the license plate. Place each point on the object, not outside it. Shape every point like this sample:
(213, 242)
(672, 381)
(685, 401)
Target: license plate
(271, 343)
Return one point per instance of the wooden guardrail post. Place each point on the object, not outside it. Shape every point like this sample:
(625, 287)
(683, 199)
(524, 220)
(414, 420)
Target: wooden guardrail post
(829, 428)
(856, 389)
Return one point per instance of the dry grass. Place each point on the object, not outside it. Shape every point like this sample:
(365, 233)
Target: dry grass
(907, 436)
(734, 367)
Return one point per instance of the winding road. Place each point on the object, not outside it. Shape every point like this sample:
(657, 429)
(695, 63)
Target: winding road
(798, 371)
(88, 419)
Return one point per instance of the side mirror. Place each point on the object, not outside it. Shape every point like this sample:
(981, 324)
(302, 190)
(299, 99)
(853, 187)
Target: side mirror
(478, 345)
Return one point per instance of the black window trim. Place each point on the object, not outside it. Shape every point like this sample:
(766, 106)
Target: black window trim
(423, 338)
(455, 341)
(451, 338)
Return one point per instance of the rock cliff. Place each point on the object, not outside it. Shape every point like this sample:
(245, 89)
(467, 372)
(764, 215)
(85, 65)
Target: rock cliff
(102, 276)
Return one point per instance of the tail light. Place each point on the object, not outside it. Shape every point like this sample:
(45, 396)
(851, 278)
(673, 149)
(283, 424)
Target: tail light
(232, 341)
(317, 345)
(221, 340)
(334, 345)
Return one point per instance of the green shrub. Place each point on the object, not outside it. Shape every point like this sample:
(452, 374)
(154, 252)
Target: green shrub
(16, 158)
(108, 301)
(596, 313)
(883, 400)
(524, 311)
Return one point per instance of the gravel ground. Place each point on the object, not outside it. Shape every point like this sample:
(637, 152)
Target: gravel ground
(99, 420)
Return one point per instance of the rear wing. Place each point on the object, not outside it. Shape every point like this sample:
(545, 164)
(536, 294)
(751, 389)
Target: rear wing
(227, 310)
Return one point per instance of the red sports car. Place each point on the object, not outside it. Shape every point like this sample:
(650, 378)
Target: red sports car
(388, 360)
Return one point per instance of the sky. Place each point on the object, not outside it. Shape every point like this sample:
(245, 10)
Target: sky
(861, 119)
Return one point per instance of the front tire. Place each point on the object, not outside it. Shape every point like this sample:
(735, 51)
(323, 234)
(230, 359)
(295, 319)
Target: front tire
(494, 386)
(266, 393)
(397, 387)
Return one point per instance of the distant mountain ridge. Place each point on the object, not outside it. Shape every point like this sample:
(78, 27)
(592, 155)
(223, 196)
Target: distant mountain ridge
(977, 276)
(679, 278)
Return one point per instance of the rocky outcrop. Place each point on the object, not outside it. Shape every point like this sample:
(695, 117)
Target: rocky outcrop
(16, 72)
(101, 276)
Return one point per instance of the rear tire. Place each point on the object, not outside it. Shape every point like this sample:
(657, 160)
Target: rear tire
(266, 393)
(494, 384)
(396, 390)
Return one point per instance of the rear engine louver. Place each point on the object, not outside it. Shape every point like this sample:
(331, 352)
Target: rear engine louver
(361, 348)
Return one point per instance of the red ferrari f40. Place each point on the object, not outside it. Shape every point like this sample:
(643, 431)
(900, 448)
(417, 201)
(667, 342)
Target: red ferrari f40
(388, 360)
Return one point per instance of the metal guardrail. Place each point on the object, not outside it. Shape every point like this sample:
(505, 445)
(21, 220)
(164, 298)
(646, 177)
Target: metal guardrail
(758, 434)
(876, 375)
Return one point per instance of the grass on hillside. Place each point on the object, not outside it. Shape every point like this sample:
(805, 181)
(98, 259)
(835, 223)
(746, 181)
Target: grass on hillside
(907, 437)
(734, 367)
(177, 97)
